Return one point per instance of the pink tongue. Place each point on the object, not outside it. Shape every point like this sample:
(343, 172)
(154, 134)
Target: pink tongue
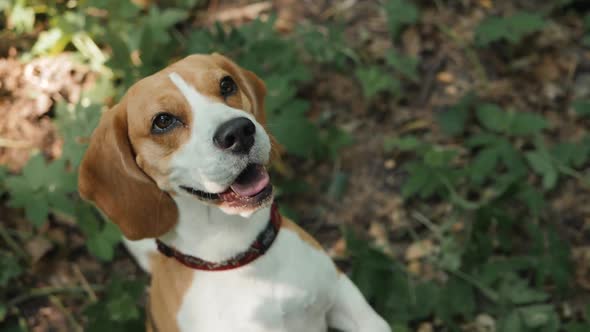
(253, 185)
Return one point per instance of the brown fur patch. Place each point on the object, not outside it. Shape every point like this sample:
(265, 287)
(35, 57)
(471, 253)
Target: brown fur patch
(170, 283)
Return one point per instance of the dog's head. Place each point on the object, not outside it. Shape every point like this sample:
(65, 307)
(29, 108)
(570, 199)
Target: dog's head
(195, 128)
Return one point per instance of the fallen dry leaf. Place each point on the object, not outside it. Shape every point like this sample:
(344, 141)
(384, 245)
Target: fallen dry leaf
(445, 77)
(338, 250)
(415, 268)
(425, 327)
(581, 256)
(419, 250)
(37, 247)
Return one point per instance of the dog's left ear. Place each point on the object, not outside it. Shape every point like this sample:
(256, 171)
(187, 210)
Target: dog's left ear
(112, 180)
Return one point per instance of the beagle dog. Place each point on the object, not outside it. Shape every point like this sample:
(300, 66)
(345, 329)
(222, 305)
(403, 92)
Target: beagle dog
(179, 166)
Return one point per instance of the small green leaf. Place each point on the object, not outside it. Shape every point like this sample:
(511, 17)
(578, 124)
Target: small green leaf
(406, 143)
(484, 164)
(34, 171)
(37, 209)
(50, 42)
(419, 177)
(400, 13)
(571, 154)
(510, 323)
(450, 254)
(526, 123)
(406, 66)
(333, 140)
(543, 165)
(456, 298)
(375, 80)
(327, 45)
(9, 268)
(102, 244)
(88, 220)
(123, 308)
(492, 117)
(452, 122)
(533, 198)
(294, 131)
(118, 309)
(76, 124)
(19, 190)
(581, 106)
(539, 316)
(511, 157)
(511, 28)
(517, 291)
(22, 18)
(483, 139)
(439, 157)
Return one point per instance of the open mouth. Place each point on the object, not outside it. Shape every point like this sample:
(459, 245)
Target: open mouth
(250, 189)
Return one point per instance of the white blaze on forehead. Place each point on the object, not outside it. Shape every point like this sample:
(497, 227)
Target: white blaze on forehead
(193, 97)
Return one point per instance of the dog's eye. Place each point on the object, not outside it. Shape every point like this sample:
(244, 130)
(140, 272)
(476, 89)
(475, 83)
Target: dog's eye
(227, 86)
(163, 122)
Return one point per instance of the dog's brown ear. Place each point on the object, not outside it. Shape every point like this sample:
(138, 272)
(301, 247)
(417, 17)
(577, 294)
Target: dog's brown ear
(110, 177)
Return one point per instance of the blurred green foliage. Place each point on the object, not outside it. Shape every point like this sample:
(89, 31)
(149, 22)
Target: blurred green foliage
(511, 28)
(498, 169)
(508, 263)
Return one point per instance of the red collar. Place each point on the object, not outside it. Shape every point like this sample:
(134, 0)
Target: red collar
(256, 249)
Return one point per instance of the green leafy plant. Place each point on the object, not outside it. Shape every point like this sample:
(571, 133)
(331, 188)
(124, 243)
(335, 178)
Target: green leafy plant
(581, 107)
(50, 187)
(399, 14)
(510, 28)
(20, 16)
(42, 187)
(374, 80)
(494, 165)
(118, 310)
(327, 46)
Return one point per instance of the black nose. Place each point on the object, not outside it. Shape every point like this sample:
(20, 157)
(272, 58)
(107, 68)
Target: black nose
(235, 135)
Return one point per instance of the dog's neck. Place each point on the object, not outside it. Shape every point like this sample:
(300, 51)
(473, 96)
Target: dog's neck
(204, 231)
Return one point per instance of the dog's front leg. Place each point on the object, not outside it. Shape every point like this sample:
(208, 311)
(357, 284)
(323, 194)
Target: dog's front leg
(351, 312)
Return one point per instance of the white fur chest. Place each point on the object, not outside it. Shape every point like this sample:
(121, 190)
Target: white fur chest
(289, 289)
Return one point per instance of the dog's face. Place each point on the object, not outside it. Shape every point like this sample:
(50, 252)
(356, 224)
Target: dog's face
(197, 131)
(195, 128)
